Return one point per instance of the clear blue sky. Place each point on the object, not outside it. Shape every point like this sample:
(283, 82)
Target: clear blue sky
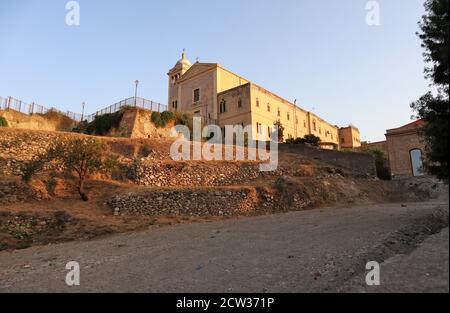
(320, 52)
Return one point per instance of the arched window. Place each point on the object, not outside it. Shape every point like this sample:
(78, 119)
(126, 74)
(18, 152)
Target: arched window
(416, 162)
(223, 106)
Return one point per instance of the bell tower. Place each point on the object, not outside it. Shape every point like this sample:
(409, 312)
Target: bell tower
(181, 67)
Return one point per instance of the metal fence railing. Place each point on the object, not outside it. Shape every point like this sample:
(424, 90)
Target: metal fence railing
(11, 103)
(130, 102)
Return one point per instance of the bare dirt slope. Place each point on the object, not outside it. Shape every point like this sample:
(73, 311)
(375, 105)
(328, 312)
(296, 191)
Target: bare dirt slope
(51, 121)
(151, 190)
(312, 251)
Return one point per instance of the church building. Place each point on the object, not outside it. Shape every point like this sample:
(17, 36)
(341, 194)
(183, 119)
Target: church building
(223, 98)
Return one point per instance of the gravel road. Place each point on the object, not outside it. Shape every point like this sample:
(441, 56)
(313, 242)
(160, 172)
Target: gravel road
(322, 250)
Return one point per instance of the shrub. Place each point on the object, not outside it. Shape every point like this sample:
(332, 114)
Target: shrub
(381, 163)
(103, 124)
(168, 116)
(53, 114)
(308, 139)
(32, 167)
(187, 120)
(3, 122)
(81, 127)
(162, 119)
(157, 120)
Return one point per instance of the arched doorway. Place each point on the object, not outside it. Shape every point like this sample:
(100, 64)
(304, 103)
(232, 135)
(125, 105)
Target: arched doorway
(416, 162)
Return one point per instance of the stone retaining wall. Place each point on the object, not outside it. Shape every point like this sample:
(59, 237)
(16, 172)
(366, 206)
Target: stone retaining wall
(186, 202)
(168, 174)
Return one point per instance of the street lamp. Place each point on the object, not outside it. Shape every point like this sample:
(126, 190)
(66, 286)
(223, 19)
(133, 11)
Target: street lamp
(136, 92)
(83, 104)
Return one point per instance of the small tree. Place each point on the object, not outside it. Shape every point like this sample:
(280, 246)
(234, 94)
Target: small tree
(82, 156)
(280, 128)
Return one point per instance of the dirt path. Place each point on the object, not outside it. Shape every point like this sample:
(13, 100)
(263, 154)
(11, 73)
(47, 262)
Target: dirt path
(319, 250)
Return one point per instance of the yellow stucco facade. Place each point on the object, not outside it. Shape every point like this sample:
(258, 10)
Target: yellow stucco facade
(224, 98)
(350, 137)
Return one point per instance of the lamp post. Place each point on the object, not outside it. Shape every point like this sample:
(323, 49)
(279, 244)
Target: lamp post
(136, 92)
(83, 104)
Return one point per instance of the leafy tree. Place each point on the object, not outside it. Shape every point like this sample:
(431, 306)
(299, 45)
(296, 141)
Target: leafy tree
(434, 109)
(280, 128)
(435, 40)
(82, 156)
(311, 139)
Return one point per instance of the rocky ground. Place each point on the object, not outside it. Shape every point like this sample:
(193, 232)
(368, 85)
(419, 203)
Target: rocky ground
(324, 250)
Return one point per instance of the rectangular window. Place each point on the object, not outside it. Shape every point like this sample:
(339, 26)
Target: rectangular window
(259, 128)
(196, 95)
(257, 103)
